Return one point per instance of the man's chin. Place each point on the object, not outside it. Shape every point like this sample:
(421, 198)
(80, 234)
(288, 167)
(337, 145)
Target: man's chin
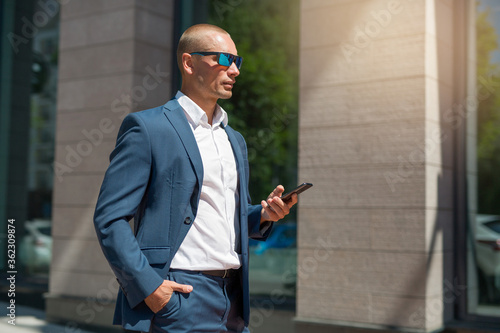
(226, 94)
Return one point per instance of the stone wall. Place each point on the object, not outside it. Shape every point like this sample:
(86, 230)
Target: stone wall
(115, 58)
(375, 138)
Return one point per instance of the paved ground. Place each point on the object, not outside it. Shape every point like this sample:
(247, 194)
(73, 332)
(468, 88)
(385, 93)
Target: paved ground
(31, 320)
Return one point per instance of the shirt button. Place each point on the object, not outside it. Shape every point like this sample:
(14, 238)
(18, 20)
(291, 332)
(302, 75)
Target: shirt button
(187, 220)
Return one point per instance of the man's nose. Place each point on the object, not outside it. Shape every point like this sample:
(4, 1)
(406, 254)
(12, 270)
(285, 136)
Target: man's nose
(233, 70)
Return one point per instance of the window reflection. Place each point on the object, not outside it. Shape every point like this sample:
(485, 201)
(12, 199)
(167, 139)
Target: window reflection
(484, 296)
(36, 245)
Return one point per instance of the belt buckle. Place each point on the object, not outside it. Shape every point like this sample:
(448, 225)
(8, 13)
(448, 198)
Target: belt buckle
(225, 274)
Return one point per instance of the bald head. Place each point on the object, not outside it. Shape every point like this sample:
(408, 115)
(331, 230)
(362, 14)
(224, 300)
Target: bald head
(199, 37)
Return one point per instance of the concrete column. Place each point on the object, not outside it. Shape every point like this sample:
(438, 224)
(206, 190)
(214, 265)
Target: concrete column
(375, 138)
(115, 58)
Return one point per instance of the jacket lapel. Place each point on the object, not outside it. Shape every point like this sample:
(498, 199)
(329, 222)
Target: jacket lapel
(238, 155)
(175, 114)
(240, 166)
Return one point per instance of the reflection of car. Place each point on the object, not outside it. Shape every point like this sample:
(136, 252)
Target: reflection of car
(282, 236)
(36, 246)
(488, 253)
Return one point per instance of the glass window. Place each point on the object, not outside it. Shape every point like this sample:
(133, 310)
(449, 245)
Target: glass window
(36, 246)
(29, 113)
(484, 162)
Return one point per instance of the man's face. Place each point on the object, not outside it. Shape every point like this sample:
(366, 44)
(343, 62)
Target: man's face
(215, 81)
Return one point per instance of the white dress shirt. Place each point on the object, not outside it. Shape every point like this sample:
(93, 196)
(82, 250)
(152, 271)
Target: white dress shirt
(211, 242)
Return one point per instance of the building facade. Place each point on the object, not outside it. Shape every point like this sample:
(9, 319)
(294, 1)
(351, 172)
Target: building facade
(393, 96)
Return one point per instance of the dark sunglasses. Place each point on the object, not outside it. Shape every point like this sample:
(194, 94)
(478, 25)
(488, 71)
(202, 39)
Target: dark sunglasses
(224, 59)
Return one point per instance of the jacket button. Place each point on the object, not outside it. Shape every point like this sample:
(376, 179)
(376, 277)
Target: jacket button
(187, 220)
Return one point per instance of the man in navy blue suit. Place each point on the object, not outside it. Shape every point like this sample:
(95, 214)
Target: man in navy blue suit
(182, 173)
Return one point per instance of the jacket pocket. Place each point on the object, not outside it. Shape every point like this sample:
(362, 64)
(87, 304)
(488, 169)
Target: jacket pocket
(157, 255)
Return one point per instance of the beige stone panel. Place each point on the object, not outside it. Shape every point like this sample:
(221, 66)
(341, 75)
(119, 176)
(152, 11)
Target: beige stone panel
(362, 145)
(121, 94)
(358, 24)
(83, 284)
(438, 187)
(393, 273)
(149, 57)
(397, 230)
(159, 7)
(94, 93)
(352, 186)
(73, 222)
(431, 44)
(78, 255)
(95, 162)
(402, 311)
(72, 9)
(376, 229)
(97, 60)
(446, 107)
(425, 314)
(363, 103)
(310, 4)
(99, 28)
(331, 228)
(446, 67)
(437, 313)
(439, 103)
(328, 24)
(439, 234)
(153, 28)
(384, 59)
(79, 190)
(148, 91)
(433, 100)
(439, 60)
(435, 274)
(438, 144)
(93, 125)
(333, 304)
(444, 16)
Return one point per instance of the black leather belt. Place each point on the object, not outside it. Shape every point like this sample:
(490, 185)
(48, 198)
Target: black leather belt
(223, 273)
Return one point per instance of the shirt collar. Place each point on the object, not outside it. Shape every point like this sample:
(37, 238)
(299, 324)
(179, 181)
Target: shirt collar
(196, 115)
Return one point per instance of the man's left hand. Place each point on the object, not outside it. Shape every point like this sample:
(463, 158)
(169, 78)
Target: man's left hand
(274, 209)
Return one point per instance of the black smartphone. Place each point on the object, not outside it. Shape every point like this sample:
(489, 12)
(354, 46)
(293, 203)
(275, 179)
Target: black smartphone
(299, 189)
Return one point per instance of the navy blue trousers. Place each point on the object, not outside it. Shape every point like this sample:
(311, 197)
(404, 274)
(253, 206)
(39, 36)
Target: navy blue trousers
(214, 305)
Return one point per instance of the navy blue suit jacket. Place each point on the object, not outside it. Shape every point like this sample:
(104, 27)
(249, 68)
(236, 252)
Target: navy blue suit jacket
(155, 176)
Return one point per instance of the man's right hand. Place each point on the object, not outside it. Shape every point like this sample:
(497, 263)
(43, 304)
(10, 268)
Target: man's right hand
(161, 296)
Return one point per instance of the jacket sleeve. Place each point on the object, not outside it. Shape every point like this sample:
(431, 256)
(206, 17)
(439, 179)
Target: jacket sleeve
(256, 230)
(122, 190)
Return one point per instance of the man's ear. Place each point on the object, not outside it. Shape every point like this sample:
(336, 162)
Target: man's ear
(187, 63)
